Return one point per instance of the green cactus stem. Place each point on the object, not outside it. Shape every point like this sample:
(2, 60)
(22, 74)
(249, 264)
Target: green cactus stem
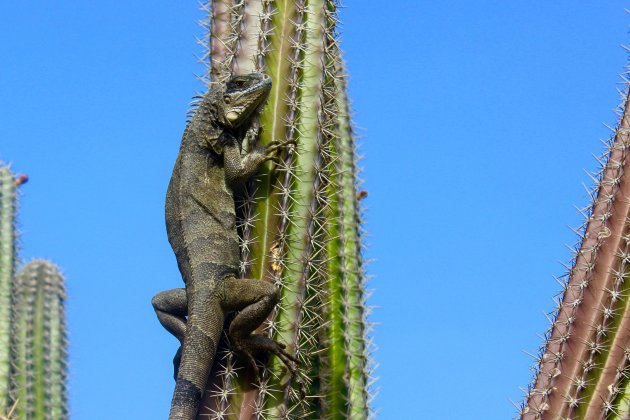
(355, 326)
(39, 343)
(8, 204)
(299, 221)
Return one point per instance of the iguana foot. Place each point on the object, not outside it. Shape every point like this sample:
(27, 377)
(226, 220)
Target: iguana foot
(247, 347)
(273, 147)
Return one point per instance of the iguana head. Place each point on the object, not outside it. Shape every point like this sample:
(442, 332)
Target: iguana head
(244, 95)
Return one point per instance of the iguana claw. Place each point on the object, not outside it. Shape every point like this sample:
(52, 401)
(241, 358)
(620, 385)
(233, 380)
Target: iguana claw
(246, 347)
(274, 146)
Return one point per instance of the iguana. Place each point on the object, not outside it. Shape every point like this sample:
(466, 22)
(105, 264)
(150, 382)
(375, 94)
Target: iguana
(201, 228)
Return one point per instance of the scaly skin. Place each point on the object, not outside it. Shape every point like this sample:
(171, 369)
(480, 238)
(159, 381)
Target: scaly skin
(201, 227)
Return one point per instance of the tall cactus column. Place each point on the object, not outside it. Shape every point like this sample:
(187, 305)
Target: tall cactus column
(583, 368)
(355, 327)
(299, 221)
(39, 343)
(7, 264)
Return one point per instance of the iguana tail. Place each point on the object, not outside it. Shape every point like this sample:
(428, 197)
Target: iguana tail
(203, 331)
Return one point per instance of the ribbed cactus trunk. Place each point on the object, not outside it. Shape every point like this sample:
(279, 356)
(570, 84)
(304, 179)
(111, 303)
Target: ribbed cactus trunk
(300, 222)
(39, 343)
(8, 203)
(583, 368)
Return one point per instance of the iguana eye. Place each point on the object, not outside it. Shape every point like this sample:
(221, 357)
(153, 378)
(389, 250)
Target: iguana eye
(237, 84)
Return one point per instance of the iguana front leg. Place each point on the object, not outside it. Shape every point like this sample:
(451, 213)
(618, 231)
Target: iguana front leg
(250, 137)
(239, 169)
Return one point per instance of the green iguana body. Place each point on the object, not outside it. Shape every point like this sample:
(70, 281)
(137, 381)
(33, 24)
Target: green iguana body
(201, 227)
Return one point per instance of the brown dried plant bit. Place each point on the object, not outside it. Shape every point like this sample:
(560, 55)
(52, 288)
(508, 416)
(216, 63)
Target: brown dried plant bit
(361, 195)
(21, 179)
(276, 257)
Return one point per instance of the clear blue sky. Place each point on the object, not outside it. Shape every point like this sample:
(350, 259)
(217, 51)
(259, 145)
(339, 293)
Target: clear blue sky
(477, 122)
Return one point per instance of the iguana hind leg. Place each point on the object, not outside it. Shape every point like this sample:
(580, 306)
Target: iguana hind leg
(254, 299)
(171, 307)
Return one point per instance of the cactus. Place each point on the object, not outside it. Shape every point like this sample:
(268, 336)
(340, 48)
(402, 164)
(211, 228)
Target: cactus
(583, 367)
(39, 343)
(32, 325)
(8, 205)
(299, 223)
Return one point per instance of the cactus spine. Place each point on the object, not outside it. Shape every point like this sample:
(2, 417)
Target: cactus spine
(7, 263)
(583, 367)
(300, 223)
(39, 342)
